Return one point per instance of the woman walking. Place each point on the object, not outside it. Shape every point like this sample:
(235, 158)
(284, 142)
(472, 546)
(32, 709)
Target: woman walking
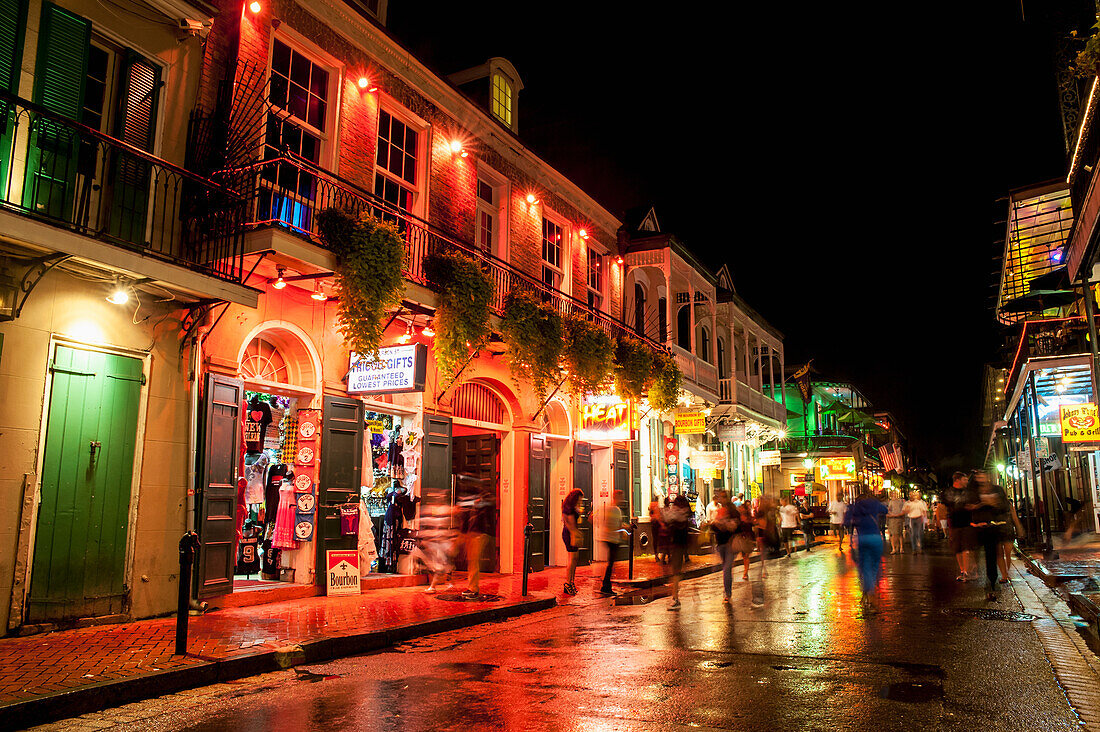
(571, 535)
(723, 521)
(863, 517)
(678, 519)
(916, 515)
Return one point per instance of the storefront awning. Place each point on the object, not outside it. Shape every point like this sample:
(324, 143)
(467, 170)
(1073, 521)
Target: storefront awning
(1057, 379)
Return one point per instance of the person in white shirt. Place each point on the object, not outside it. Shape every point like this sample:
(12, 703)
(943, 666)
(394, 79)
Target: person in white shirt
(788, 522)
(837, 509)
(895, 521)
(916, 515)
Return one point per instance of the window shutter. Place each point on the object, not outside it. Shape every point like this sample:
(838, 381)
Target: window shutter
(62, 61)
(138, 102)
(13, 15)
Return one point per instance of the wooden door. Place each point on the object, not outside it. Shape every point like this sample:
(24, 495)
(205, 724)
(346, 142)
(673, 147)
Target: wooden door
(538, 492)
(477, 457)
(341, 468)
(79, 563)
(435, 479)
(620, 479)
(582, 479)
(217, 489)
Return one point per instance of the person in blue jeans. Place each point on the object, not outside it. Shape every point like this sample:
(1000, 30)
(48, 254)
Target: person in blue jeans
(863, 517)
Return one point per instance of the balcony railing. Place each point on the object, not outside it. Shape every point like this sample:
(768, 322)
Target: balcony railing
(68, 174)
(820, 442)
(288, 192)
(1048, 337)
(736, 391)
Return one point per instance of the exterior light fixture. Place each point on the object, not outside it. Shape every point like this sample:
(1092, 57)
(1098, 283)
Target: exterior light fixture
(279, 282)
(1056, 255)
(365, 84)
(406, 336)
(317, 294)
(119, 293)
(584, 234)
(428, 331)
(618, 260)
(255, 6)
(457, 149)
(532, 199)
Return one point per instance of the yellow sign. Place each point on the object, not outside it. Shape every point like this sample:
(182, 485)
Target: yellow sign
(606, 417)
(375, 426)
(843, 468)
(691, 423)
(1079, 422)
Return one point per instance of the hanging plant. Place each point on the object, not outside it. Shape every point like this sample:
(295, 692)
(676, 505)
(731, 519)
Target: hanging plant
(1087, 63)
(665, 389)
(633, 368)
(370, 258)
(588, 354)
(534, 334)
(462, 318)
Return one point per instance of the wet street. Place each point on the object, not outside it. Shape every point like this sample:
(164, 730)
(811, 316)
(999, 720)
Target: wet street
(934, 659)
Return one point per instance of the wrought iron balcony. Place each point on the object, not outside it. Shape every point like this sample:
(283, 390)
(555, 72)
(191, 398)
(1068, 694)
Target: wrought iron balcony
(68, 174)
(288, 192)
(1046, 338)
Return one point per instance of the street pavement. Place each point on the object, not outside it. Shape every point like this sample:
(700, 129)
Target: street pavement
(934, 659)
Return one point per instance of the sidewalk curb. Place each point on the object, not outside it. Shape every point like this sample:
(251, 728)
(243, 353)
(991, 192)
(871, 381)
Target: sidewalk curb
(1078, 603)
(1037, 569)
(94, 697)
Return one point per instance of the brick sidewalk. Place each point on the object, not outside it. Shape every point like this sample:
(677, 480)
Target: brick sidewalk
(45, 676)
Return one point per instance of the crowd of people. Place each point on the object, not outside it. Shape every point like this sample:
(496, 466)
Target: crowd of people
(972, 512)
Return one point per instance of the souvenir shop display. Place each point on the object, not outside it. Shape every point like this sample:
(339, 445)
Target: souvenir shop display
(248, 549)
(368, 551)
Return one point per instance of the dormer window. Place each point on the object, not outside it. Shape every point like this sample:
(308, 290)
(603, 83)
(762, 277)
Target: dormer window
(502, 98)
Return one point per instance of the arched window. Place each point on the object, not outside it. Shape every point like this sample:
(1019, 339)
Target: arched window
(723, 370)
(703, 346)
(683, 328)
(263, 361)
(662, 319)
(639, 309)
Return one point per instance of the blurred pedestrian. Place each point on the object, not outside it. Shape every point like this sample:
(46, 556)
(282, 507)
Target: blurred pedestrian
(678, 519)
(437, 539)
(939, 510)
(476, 526)
(722, 527)
(958, 497)
(660, 529)
(611, 534)
(916, 516)
(990, 516)
(739, 501)
(788, 522)
(1072, 512)
(863, 516)
(766, 531)
(744, 538)
(895, 521)
(837, 508)
(571, 535)
(806, 516)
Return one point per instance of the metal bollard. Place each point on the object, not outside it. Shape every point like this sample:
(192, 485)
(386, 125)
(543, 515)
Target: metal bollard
(630, 556)
(526, 555)
(189, 544)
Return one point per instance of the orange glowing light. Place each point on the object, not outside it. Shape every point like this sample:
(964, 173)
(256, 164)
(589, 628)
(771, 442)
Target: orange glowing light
(584, 233)
(255, 6)
(364, 82)
(532, 198)
(456, 147)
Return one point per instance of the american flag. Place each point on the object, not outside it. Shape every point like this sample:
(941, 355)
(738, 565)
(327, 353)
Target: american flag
(891, 457)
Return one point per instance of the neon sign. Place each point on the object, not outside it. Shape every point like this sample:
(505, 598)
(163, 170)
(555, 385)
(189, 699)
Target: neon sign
(606, 418)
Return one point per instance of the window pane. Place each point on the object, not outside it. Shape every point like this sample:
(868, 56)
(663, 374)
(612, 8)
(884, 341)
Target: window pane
(299, 70)
(318, 82)
(280, 58)
(296, 105)
(484, 191)
(315, 112)
(278, 91)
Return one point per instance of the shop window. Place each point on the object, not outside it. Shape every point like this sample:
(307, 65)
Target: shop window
(385, 436)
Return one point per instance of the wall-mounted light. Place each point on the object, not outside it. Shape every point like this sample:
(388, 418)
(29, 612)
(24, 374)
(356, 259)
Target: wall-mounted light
(427, 331)
(317, 294)
(365, 84)
(618, 260)
(255, 6)
(406, 336)
(457, 149)
(584, 234)
(120, 293)
(532, 199)
(279, 282)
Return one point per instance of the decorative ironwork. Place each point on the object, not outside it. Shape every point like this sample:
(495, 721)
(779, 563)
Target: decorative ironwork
(36, 269)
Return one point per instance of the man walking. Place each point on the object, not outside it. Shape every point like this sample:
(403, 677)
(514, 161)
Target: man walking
(958, 497)
(611, 534)
(837, 509)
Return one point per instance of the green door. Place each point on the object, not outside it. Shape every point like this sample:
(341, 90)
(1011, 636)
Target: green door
(79, 561)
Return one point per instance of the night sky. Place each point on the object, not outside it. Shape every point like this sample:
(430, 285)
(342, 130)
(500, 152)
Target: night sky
(843, 158)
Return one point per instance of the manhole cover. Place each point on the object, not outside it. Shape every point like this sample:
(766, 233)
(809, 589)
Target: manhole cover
(911, 692)
(454, 597)
(990, 614)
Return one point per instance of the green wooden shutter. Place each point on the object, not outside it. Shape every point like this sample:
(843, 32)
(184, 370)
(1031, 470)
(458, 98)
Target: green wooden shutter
(13, 21)
(136, 125)
(62, 65)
